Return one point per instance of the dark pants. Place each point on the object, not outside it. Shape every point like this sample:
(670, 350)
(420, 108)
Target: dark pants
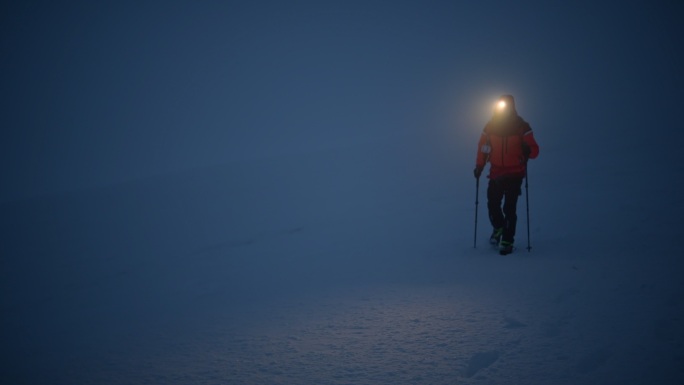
(508, 190)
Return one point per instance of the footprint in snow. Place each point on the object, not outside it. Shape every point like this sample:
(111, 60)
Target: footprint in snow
(480, 361)
(512, 323)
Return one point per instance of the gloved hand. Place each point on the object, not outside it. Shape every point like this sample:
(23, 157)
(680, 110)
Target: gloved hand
(477, 172)
(526, 151)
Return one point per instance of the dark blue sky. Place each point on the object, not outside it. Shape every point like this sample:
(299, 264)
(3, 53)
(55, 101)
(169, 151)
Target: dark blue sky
(100, 92)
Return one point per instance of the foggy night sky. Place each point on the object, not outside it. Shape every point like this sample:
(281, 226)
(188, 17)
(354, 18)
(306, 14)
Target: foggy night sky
(101, 92)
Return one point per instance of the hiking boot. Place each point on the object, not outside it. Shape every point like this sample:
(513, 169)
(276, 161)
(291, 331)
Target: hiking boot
(505, 248)
(496, 236)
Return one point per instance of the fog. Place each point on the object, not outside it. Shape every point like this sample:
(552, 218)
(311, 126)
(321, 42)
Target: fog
(283, 193)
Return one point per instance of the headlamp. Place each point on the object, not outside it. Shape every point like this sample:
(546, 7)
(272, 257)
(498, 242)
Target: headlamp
(501, 104)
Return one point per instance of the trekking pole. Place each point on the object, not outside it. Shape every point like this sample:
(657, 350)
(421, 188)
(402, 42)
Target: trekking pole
(477, 194)
(527, 206)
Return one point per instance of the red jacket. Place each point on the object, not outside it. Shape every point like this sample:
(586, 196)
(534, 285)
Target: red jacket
(501, 143)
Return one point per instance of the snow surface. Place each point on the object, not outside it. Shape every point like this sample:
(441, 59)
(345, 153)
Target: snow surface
(353, 265)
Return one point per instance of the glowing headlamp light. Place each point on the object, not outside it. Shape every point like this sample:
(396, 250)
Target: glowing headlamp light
(501, 104)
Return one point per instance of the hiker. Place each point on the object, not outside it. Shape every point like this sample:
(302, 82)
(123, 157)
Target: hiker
(506, 143)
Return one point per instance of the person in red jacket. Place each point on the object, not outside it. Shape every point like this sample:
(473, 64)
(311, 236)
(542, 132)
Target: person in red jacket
(506, 143)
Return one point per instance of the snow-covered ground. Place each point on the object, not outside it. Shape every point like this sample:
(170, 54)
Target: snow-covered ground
(353, 265)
